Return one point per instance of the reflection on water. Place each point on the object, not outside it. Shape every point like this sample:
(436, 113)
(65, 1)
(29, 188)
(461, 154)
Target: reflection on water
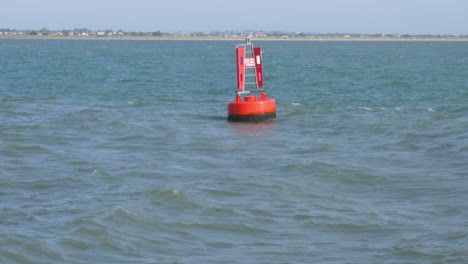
(253, 129)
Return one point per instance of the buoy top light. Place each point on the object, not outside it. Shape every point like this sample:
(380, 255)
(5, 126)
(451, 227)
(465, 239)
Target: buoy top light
(254, 107)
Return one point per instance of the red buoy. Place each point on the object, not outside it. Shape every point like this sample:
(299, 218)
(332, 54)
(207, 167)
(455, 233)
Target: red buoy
(250, 105)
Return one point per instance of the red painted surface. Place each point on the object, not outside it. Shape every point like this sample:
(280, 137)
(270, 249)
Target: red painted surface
(252, 106)
(240, 53)
(258, 66)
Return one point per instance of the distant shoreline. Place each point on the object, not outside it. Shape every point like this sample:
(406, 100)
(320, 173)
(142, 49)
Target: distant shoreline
(217, 38)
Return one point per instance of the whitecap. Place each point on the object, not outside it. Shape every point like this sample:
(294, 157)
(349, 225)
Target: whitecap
(365, 108)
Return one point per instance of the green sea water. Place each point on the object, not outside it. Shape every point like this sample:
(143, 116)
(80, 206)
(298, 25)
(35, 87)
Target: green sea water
(120, 152)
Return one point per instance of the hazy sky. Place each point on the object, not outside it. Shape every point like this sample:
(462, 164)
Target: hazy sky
(312, 16)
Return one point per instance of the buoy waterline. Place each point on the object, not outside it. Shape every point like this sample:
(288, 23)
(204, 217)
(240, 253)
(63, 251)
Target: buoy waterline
(250, 105)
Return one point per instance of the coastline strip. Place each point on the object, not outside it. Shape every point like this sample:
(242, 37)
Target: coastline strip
(218, 38)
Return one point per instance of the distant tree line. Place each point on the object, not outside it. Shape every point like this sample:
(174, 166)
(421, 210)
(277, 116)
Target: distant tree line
(81, 31)
(277, 34)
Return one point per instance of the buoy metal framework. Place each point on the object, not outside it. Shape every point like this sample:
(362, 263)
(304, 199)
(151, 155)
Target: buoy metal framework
(251, 103)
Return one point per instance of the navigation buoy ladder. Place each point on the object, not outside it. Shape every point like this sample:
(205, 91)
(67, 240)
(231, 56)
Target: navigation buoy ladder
(250, 105)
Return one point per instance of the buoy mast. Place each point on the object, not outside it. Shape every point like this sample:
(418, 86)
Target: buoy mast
(250, 105)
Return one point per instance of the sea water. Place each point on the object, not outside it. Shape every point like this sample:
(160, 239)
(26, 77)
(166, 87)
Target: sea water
(120, 152)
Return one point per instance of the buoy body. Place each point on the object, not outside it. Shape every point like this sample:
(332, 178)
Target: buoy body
(250, 105)
(252, 109)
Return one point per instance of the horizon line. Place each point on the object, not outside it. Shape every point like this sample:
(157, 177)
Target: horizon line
(244, 31)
